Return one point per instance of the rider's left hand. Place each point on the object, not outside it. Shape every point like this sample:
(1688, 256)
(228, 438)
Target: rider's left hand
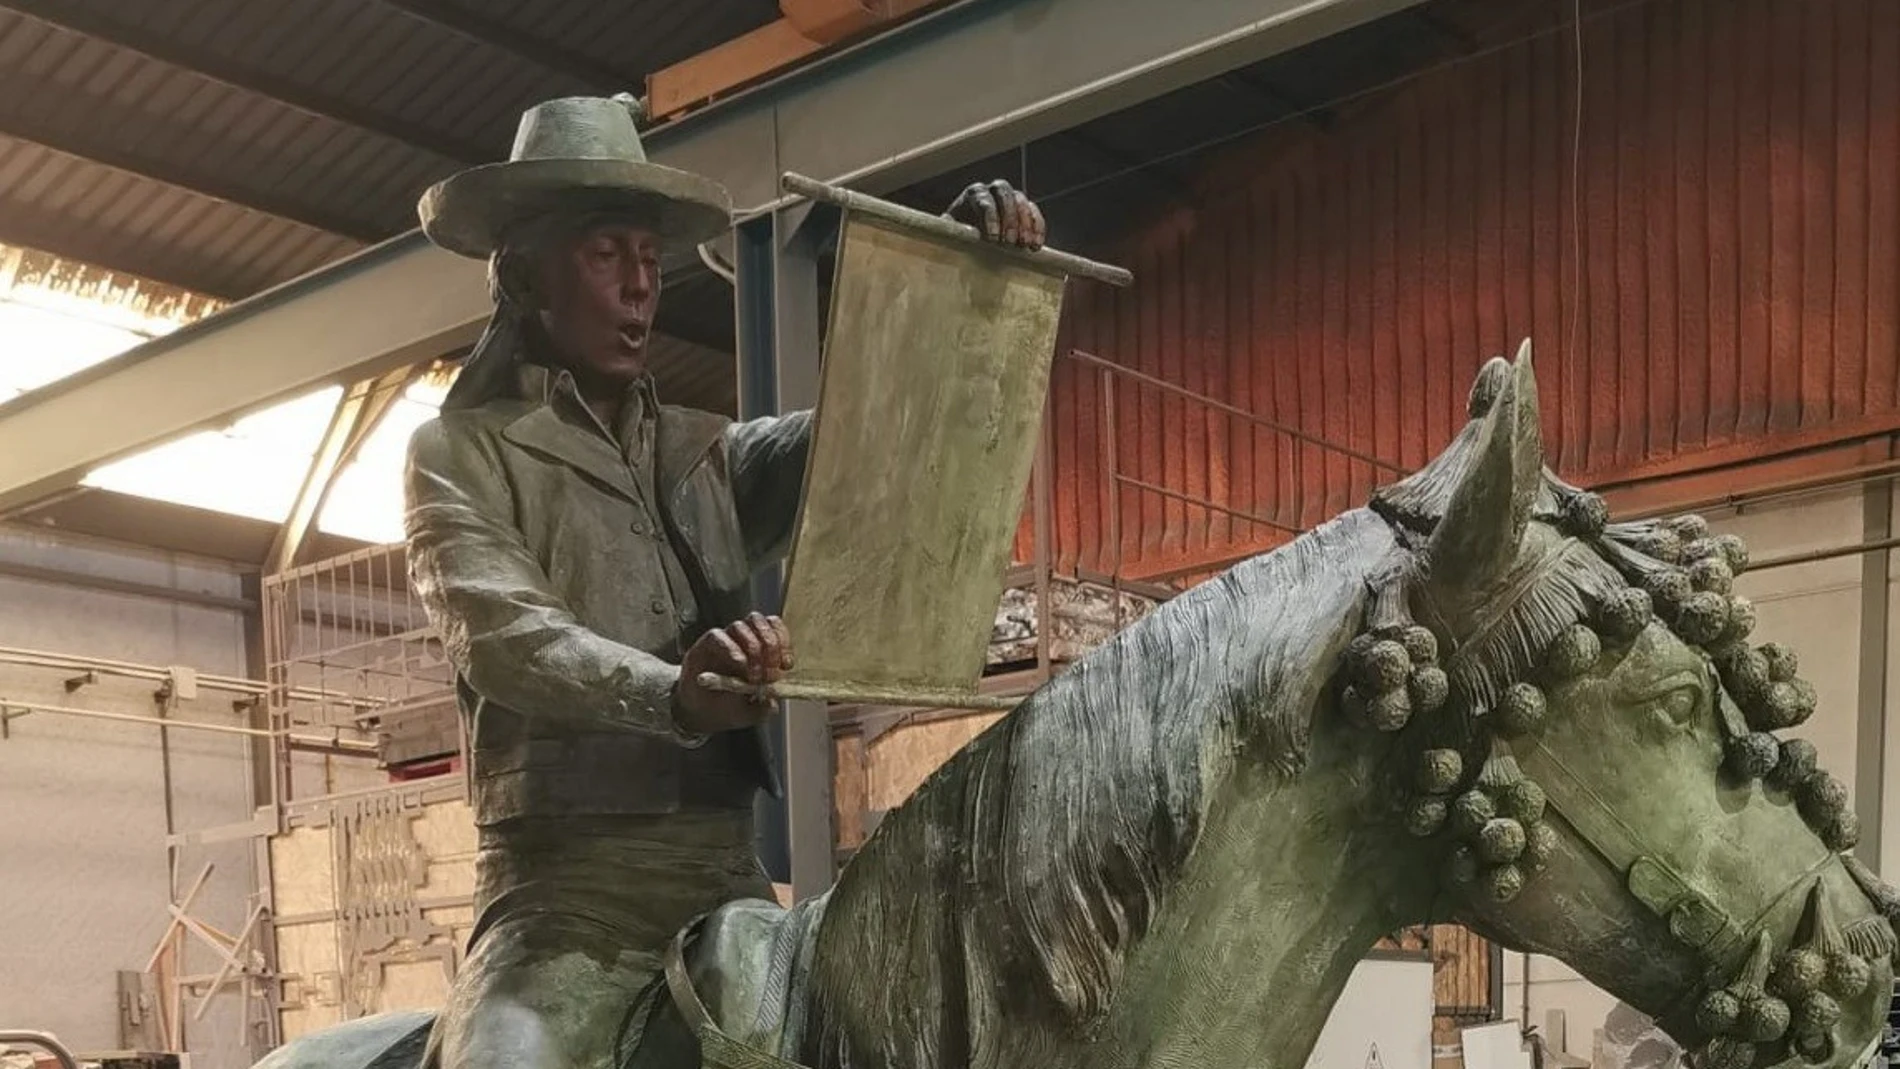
(1001, 214)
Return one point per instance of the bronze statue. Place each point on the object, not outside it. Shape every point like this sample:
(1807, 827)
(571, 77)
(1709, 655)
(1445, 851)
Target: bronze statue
(586, 553)
(1476, 700)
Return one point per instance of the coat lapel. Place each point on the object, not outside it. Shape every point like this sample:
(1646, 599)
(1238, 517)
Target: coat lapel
(543, 431)
(685, 437)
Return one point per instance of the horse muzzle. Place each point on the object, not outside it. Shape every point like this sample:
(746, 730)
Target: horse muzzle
(1814, 993)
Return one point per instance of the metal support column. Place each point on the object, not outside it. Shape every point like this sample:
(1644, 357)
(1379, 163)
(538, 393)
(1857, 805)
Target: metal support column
(1871, 750)
(776, 303)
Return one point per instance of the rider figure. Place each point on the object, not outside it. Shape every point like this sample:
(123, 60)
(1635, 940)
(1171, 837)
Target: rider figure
(585, 553)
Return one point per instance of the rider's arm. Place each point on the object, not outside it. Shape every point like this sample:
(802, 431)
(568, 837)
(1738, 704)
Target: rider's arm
(504, 628)
(767, 460)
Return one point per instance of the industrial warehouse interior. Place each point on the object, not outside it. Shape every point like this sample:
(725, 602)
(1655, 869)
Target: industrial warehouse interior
(1258, 454)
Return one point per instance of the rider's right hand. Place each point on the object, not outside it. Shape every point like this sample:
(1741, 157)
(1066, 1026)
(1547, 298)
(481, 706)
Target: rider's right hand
(756, 650)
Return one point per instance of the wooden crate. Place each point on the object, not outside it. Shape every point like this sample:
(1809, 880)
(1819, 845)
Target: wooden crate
(878, 766)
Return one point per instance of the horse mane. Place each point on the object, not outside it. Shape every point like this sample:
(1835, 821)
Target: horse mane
(1037, 856)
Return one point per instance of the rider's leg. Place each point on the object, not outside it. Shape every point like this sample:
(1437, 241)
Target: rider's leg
(540, 993)
(574, 919)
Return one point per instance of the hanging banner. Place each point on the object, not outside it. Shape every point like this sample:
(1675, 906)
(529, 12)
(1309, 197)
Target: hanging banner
(936, 368)
(934, 375)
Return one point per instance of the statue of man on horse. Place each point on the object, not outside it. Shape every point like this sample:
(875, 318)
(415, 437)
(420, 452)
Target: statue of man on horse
(1474, 700)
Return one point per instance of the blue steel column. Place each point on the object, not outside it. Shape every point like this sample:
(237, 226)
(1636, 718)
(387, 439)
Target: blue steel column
(776, 304)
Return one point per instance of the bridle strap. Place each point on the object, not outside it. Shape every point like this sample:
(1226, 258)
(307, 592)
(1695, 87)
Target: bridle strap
(1694, 917)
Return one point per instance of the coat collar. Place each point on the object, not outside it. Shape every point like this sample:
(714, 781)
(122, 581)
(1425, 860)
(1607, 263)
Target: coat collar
(561, 427)
(543, 429)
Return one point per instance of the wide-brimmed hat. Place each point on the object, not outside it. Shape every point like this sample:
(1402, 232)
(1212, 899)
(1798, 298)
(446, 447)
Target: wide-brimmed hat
(575, 153)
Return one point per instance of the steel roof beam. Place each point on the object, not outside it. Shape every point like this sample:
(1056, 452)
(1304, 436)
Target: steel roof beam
(389, 307)
(215, 66)
(943, 90)
(978, 77)
(512, 40)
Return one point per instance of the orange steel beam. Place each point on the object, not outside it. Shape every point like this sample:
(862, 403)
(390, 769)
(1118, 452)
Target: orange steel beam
(807, 26)
(827, 21)
(726, 66)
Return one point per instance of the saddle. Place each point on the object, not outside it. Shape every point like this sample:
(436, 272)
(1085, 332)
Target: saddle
(731, 975)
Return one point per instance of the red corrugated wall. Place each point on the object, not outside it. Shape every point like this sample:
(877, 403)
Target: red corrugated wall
(1737, 209)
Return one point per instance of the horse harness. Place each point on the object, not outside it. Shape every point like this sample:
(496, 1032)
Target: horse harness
(717, 1050)
(1695, 918)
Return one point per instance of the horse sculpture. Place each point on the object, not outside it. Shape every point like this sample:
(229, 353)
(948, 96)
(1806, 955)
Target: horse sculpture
(1474, 701)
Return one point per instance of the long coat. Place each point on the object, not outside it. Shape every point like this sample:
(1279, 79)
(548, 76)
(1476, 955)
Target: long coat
(537, 555)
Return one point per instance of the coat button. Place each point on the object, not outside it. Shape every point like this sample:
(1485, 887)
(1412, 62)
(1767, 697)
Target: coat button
(638, 528)
(659, 606)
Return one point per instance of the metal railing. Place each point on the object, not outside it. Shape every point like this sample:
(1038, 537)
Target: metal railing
(1118, 480)
(348, 652)
(42, 1040)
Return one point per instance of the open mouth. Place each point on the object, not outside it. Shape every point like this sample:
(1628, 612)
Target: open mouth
(633, 337)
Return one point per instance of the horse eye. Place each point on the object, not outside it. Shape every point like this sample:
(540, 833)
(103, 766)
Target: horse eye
(1680, 706)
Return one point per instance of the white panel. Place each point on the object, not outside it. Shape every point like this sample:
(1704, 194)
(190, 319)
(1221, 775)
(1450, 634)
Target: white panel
(1498, 1045)
(1383, 1019)
(1890, 794)
(82, 803)
(1812, 608)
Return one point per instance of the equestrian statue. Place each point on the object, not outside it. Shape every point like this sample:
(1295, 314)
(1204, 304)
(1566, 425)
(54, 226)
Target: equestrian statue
(1476, 700)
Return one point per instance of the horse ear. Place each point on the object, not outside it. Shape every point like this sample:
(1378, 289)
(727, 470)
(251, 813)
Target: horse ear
(1491, 505)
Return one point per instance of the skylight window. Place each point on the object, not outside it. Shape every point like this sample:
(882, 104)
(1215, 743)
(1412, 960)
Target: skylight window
(46, 334)
(58, 318)
(366, 500)
(252, 468)
(255, 467)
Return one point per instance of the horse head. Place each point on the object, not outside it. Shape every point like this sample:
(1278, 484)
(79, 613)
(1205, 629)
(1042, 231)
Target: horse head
(1588, 736)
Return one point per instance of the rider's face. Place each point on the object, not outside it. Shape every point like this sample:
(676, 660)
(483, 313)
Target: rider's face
(598, 291)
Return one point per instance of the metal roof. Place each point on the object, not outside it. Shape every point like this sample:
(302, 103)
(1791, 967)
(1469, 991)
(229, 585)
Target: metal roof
(227, 145)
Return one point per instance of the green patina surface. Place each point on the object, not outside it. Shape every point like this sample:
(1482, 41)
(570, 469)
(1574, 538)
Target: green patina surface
(935, 371)
(1476, 700)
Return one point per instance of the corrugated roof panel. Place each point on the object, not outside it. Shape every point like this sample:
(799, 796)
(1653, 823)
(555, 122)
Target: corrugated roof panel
(179, 126)
(42, 48)
(19, 40)
(403, 72)
(249, 240)
(55, 202)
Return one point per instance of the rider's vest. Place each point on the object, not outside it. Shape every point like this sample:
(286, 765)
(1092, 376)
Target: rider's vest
(566, 582)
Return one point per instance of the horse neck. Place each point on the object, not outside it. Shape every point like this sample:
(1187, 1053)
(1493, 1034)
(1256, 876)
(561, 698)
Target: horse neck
(1283, 895)
(922, 958)
(1287, 886)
